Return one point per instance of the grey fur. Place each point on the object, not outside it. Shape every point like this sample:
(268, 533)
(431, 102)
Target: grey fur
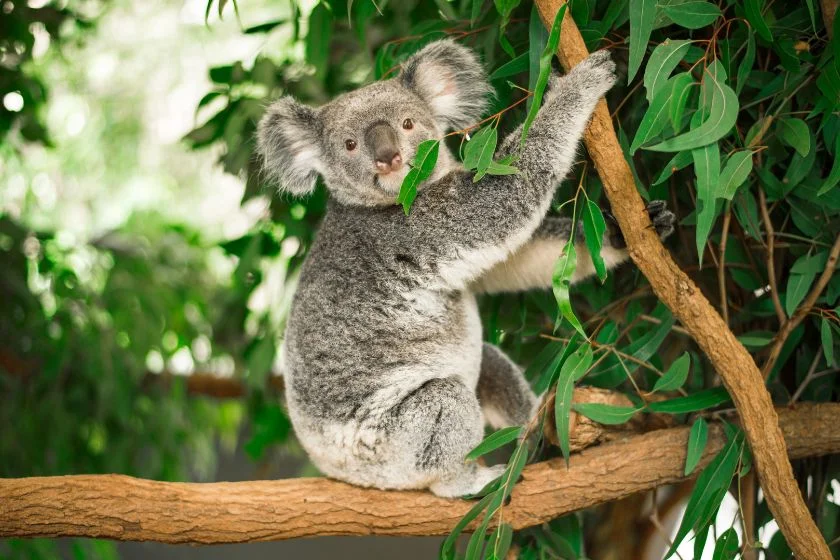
(386, 373)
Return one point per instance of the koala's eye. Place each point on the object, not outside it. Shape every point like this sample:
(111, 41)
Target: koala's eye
(350, 145)
(408, 124)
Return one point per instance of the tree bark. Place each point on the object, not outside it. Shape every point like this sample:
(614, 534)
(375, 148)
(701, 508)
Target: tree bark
(673, 287)
(125, 508)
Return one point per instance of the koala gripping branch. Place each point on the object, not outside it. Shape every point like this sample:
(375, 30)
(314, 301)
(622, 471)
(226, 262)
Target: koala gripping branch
(736, 367)
(125, 508)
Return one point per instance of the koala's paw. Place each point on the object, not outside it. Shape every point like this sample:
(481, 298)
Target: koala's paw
(661, 218)
(595, 75)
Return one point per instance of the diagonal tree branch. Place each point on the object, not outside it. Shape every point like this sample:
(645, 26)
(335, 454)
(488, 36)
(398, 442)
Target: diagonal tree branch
(673, 287)
(125, 508)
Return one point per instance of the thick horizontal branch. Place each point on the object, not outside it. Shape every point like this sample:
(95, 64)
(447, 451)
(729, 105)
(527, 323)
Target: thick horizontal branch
(125, 508)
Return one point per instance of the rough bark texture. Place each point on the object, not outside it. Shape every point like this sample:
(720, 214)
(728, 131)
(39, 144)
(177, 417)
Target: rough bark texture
(673, 287)
(125, 508)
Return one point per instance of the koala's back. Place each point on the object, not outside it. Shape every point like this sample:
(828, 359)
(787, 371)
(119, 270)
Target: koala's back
(364, 322)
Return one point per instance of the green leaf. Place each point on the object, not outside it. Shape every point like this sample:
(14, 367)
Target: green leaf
(755, 339)
(561, 281)
(447, 548)
(676, 375)
(752, 8)
(693, 14)
(642, 14)
(747, 62)
(575, 367)
(700, 538)
(797, 288)
(606, 413)
(594, 227)
(679, 161)
(496, 168)
(697, 438)
(827, 340)
(500, 542)
(475, 12)
(681, 87)
(833, 175)
(511, 68)
(722, 113)
(664, 58)
(654, 120)
(707, 168)
(795, 133)
(318, 38)
(478, 152)
(422, 168)
(709, 491)
(738, 167)
(727, 546)
(545, 72)
(494, 441)
(701, 400)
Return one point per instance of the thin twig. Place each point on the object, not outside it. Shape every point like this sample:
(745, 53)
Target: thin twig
(812, 370)
(803, 310)
(771, 264)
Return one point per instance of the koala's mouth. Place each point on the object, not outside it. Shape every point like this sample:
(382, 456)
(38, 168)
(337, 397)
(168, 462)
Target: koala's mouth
(389, 182)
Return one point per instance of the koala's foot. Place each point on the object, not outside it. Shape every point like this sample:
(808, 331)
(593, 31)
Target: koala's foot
(595, 75)
(661, 218)
(470, 481)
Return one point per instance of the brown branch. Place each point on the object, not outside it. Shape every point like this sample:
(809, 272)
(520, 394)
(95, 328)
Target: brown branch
(728, 356)
(771, 261)
(125, 508)
(803, 309)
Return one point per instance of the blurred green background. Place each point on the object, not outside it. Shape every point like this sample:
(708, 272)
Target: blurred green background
(146, 268)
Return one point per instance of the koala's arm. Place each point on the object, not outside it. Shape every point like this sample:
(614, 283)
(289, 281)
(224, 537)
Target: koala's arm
(532, 265)
(471, 227)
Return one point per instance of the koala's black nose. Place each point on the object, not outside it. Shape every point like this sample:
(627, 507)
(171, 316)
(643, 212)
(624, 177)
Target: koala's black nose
(381, 139)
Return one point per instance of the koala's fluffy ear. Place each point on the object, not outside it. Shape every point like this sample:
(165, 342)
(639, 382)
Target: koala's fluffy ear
(288, 138)
(450, 78)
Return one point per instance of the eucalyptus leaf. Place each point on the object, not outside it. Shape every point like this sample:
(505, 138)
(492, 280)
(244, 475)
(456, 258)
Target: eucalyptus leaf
(606, 413)
(676, 375)
(664, 58)
(697, 438)
(642, 14)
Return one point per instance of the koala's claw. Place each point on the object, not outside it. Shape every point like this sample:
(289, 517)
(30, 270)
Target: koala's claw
(661, 218)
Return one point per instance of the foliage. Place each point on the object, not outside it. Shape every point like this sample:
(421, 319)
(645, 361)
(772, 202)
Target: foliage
(729, 111)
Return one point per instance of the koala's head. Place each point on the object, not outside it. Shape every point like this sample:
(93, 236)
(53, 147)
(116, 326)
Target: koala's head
(361, 142)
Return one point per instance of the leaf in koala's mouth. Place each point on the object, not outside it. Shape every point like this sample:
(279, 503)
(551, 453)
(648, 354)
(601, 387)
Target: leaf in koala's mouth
(421, 169)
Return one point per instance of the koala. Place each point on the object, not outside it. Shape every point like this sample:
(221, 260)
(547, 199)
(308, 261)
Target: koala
(388, 382)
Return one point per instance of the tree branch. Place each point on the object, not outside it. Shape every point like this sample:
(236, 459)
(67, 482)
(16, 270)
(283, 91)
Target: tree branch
(125, 508)
(736, 367)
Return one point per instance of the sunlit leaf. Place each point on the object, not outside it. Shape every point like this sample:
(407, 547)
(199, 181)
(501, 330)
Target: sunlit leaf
(693, 14)
(676, 375)
(642, 14)
(701, 400)
(664, 58)
(545, 72)
(736, 170)
(727, 546)
(478, 152)
(494, 441)
(422, 168)
(594, 227)
(697, 438)
(795, 133)
(709, 491)
(722, 113)
(574, 368)
(606, 413)
(561, 282)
